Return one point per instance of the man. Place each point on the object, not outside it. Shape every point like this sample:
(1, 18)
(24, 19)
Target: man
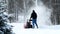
(34, 19)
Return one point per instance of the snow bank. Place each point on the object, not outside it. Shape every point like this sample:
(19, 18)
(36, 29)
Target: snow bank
(43, 29)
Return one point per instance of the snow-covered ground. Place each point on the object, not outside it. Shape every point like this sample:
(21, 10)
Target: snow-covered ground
(43, 29)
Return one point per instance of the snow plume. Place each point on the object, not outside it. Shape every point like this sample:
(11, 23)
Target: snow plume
(43, 13)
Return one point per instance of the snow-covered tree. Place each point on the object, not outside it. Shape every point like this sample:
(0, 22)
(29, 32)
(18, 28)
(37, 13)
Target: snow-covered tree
(4, 27)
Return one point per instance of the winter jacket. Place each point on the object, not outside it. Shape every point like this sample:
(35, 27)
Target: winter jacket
(34, 15)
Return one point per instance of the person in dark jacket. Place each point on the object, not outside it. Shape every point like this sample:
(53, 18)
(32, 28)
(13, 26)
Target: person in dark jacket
(34, 19)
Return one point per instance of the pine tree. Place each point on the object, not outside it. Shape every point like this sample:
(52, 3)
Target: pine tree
(4, 27)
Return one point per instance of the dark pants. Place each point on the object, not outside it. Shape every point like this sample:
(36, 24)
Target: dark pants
(34, 23)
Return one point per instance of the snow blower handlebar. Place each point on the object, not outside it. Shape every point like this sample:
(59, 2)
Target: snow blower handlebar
(30, 19)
